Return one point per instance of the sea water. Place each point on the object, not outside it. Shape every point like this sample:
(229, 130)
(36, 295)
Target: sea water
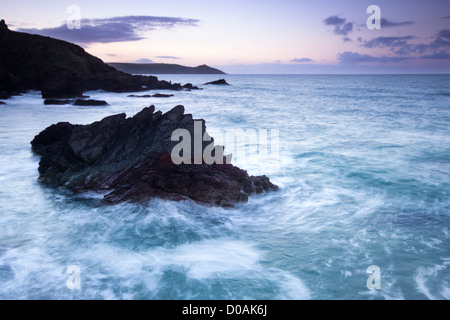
(363, 168)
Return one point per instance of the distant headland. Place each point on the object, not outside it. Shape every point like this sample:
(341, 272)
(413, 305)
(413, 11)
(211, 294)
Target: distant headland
(163, 68)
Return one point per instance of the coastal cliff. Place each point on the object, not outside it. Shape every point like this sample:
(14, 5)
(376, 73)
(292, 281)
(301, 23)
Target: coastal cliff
(60, 69)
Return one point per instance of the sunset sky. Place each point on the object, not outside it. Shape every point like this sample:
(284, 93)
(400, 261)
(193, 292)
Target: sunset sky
(248, 36)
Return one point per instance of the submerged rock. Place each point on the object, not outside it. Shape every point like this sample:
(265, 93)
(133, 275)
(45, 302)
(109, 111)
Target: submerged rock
(77, 102)
(157, 95)
(162, 95)
(218, 82)
(190, 86)
(57, 102)
(131, 159)
(90, 102)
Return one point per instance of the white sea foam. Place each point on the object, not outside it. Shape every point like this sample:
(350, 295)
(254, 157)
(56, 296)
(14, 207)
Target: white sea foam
(362, 181)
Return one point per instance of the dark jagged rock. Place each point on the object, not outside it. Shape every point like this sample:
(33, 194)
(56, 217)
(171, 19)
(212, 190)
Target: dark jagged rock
(4, 95)
(158, 95)
(190, 87)
(90, 102)
(57, 102)
(162, 95)
(130, 158)
(77, 102)
(3, 25)
(62, 70)
(139, 96)
(218, 82)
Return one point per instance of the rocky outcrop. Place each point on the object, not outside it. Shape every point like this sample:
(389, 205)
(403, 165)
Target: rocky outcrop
(62, 70)
(77, 102)
(57, 102)
(3, 25)
(90, 102)
(130, 158)
(157, 95)
(218, 82)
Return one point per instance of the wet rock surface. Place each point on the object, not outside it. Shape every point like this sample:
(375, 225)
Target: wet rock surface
(131, 159)
(218, 82)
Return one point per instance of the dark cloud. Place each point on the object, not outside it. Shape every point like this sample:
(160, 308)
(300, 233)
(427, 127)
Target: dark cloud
(444, 34)
(301, 60)
(347, 39)
(385, 23)
(442, 55)
(334, 21)
(168, 57)
(116, 29)
(341, 26)
(448, 17)
(392, 42)
(89, 34)
(345, 30)
(382, 42)
(442, 39)
(354, 57)
(350, 57)
(404, 51)
(144, 60)
(402, 46)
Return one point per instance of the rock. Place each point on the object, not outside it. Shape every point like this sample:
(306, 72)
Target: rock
(4, 95)
(161, 95)
(3, 25)
(90, 102)
(57, 102)
(77, 102)
(2, 103)
(62, 70)
(131, 159)
(137, 96)
(158, 95)
(189, 87)
(218, 82)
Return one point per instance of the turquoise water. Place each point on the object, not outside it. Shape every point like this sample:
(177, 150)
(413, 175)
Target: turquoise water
(364, 175)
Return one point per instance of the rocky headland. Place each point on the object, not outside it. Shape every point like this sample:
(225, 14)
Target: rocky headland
(163, 68)
(62, 70)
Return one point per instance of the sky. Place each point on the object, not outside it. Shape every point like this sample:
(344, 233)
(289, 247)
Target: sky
(249, 36)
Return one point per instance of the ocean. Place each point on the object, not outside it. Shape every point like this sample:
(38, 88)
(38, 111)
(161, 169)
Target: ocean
(363, 166)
